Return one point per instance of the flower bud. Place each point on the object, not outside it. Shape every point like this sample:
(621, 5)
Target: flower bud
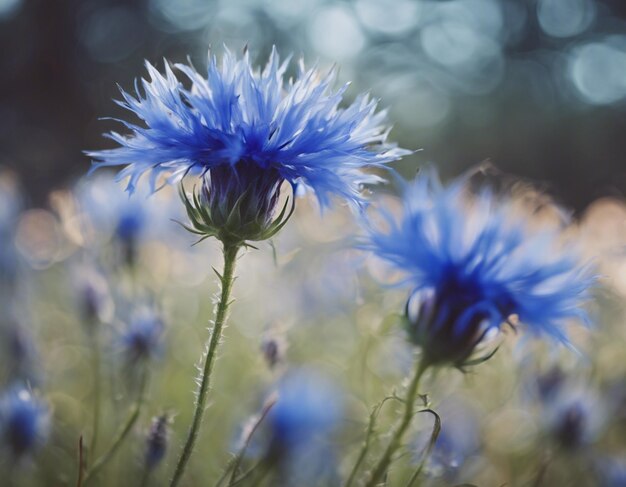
(94, 301)
(273, 349)
(575, 416)
(142, 338)
(237, 203)
(306, 413)
(129, 226)
(448, 329)
(569, 431)
(156, 441)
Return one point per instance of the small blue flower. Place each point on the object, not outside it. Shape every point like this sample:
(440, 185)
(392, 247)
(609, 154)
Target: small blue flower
(575, 416)
(128, 229)
(307, 405)
(301, 424)
(23, 421)
(107, 213)
(130, 224)
(156, 441)
(142, 338)
(93, 296)
(471, 265)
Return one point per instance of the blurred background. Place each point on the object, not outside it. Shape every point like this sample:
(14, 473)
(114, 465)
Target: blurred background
(536, 86)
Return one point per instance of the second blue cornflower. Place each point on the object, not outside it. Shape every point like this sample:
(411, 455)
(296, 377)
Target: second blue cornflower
(471, 265)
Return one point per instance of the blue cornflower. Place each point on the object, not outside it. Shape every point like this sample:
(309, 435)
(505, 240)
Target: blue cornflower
(105, 212)
(246, 132)
(574, 415)
(93, 296)
(142, 338)
(472, 265)
(23, 421)
(301, 424)
(307, 405)
(129, 226)
(156, 441)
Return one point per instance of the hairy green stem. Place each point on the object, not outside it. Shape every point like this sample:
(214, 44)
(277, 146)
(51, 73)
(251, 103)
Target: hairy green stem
(396, 439)
(230, 257)
(366, 443)
(123, 433)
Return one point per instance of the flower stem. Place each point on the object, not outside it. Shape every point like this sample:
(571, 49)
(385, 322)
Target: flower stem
(123, 433)
(96, 393)
(396, 439)
(145, 477)
(81, 463)
(543, 468)
(366, 443)
(230, 256)
(237, 460)
(429, 448)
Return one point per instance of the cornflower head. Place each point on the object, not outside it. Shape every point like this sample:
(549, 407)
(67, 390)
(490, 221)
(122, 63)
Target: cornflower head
(471, 265)
(574, 414)
(245, 132)
(106, 213)
(301, 423)
(273, 349)
(570, 426)
(24, 421)
(93, 296)
(142, 338)
(156, 440)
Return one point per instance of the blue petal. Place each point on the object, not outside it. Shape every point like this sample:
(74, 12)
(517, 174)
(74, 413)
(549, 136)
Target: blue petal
(237, 113)
(447, 240)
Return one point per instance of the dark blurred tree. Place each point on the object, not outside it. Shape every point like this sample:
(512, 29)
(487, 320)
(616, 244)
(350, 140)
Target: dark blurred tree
(61, 60)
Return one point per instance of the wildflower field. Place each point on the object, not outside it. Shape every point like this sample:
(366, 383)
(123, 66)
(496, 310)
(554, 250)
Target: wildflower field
(260, 277)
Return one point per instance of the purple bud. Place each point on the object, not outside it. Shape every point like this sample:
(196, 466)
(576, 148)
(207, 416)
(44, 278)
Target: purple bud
(273, 349)
(447, 326)
(156, 441)
(142, 338)
(93, 297)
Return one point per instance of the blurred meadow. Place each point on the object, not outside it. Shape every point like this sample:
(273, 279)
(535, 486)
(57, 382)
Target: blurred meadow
(530, 95)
